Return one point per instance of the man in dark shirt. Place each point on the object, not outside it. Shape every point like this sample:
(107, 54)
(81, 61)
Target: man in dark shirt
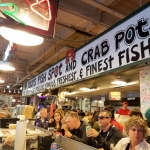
(108, 134)
(77, 128)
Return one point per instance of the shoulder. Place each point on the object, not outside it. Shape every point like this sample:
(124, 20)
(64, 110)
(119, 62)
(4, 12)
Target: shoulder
(37, 120)
(144, 144)
(120, 109)
(83, 125)
(125, 140)
(116, 132)
(122, 143)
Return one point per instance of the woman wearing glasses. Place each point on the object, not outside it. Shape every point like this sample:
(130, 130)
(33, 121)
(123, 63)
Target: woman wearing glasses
(137, 130)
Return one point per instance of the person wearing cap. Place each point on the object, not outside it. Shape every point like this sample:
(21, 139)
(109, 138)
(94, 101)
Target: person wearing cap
(124, 110)
(4, 113)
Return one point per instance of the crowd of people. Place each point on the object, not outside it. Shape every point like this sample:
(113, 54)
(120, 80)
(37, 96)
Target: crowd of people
(100, 129)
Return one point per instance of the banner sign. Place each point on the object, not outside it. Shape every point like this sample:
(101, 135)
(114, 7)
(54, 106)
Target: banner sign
(126, 43)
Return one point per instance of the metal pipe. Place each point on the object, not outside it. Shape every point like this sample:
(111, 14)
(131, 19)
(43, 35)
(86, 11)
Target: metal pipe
(141, 3)
(104, 8)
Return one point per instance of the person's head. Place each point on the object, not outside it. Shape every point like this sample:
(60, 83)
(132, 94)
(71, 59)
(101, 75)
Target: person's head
(136, 128)
(124, 105)
(111, 109)
(136, 112)
(58, 115)
(94, 118)
(4, 107)
(78, 110)
(104, 118)
(89, 115)
(43, 113)
(72, 120)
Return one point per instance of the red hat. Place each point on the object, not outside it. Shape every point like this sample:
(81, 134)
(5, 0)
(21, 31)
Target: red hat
(125, 103)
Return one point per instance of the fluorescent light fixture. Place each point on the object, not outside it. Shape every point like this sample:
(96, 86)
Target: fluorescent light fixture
(6, 54)
(85, 89)
(65, 91)
(20, 37)
(2, 81)
(6, 66)
(118, 81)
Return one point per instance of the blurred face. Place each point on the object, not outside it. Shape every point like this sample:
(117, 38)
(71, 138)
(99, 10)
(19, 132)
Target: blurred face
(125, 106)
(43, 113)
(90, 117)
(78, 110)
(57, 117)
(71, 122)
(136, 134)
(103, 119)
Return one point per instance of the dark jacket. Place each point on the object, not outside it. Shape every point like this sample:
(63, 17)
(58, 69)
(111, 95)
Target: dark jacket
(53, 124)
(114, 135)
(80, 134)
(38, 122)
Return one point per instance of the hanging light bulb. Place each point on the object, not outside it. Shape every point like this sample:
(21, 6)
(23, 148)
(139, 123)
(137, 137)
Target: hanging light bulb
(18, 91)
(14, 91)
(8, 86)
(9, 91)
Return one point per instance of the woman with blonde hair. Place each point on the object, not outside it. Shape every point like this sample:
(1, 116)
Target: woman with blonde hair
(136, 129)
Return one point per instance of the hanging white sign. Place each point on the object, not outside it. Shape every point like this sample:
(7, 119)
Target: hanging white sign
(126, 43)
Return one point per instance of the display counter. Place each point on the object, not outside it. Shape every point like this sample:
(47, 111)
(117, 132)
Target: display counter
(7, 138)
(69, 144)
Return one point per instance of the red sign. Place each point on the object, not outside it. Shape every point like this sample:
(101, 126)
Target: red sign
(70, 54)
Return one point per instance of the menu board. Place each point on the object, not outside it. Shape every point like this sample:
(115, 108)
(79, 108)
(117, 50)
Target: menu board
(145, 88)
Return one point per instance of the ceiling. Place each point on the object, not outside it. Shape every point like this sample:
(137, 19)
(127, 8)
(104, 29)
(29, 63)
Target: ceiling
(77, 23)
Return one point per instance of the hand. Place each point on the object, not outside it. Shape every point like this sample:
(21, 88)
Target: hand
(63, 121)
(51, 120)
(64, 126)
(92, 133)
(68, 134)
(101, 149)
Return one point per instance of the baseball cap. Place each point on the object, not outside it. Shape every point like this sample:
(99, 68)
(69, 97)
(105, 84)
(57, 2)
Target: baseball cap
(125, 103)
